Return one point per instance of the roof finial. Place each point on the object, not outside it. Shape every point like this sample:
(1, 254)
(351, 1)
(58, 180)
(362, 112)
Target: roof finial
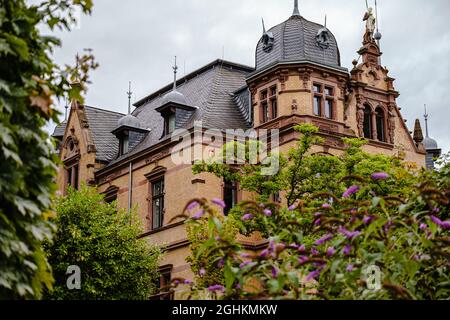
(129, 93)
(67, 108)
(296, 11)
(264, 26)
(426, 121)
(325, 21)
(175, 68)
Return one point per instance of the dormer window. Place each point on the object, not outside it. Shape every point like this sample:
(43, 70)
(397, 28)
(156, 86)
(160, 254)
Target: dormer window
(169, 123)
(124, 143)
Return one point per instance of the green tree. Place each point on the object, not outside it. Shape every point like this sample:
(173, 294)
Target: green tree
(103, 242)
(30, 82)
(349, 214)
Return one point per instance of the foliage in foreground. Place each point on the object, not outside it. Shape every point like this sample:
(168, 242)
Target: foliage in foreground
(360, 227)
(102, 242)
(29, 81)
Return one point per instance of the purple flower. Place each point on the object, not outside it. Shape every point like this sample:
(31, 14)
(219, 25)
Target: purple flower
(199, 215)
(192, 205)
(314, 251)
(187, 281)
(264, 253)
(302, 248)
(326, 206)
(380, 176)
(274, 272)
(272, 246)
(244, 264)
(219, 203)
(348, 234)
(202, 272)
(313, 275)
(218, 238)
(324, 239)
(436, 210)
(247, 217)
(317, 214)
(317, 222)
(388, 226)
(354, 211)
(423, 226)
(440, 223)
(245, 255)
(347, 249)
(267, 213)
(176, 282)
(303, 259)
(368, 220)
(350, 191)
(216, 287)
(221, 263)
(292, 208)
(350, 268)
(330, 251)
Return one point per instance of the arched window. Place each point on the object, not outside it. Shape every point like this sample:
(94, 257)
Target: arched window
(367, 122)
(381, 135)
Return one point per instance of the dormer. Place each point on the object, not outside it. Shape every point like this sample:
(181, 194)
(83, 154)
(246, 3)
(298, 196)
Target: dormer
(130, 133)
(174, 108)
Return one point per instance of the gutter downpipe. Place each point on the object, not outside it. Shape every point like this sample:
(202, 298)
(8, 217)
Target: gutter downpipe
(130, 185)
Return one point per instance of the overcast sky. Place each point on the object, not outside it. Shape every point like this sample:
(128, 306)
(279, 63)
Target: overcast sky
(135, 40)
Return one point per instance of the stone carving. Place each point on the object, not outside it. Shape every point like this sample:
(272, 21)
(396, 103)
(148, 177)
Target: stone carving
(360, 120)
(370, 20)
(294, 106)
(391, 124)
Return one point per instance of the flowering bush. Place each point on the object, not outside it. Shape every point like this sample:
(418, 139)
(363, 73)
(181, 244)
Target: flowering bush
(372, 232)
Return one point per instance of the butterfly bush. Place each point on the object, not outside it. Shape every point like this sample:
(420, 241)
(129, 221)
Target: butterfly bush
(324, 239)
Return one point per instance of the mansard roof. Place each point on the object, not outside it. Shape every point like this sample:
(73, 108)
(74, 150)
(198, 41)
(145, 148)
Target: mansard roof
(217, 91)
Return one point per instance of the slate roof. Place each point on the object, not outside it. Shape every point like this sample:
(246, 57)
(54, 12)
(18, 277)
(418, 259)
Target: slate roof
(295, 40)
(60, 130)
(101, 122)
(212, 89)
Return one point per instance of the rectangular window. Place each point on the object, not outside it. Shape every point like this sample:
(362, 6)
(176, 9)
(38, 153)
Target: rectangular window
(274, 110)
(329, 109)
(230, 192)
(264, 95)
(75, 178)
(169, 123)
(163, 284)
(265, 112)
(317, 88)
(273, 91)
(157, 203)
(72, 174)
(317, 106)
(124, 145)
(329, 91)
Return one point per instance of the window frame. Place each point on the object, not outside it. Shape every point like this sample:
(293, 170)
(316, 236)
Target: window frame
(368, 122)
(324, 101)
(234, 194)
(381, 127)
(153, 177)
(268, 101)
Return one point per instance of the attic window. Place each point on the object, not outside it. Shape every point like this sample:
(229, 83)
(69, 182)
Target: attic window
(124, 143)
(169, 123)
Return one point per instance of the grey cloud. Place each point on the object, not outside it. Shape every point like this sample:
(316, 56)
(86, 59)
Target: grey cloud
(137, 39)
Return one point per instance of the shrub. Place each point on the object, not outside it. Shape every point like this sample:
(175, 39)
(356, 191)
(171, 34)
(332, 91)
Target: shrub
(102, 242)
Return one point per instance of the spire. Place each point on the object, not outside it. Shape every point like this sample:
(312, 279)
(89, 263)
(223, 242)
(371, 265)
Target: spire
(129, 93)
(426, 121)
(296, 11)
(175, 68)
(264, 26)
(67, 108)
(418, 135)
